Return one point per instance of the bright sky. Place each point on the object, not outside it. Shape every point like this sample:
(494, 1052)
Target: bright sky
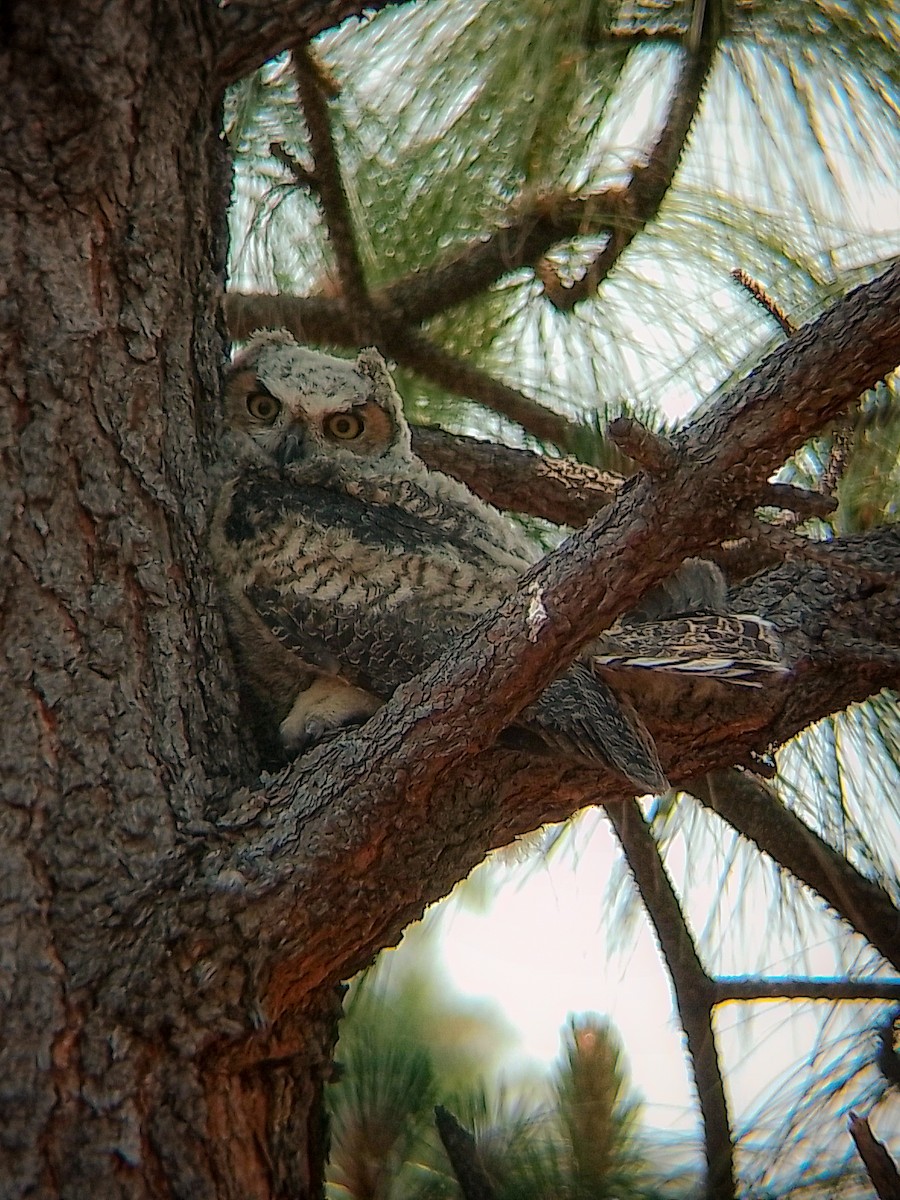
(540, 950)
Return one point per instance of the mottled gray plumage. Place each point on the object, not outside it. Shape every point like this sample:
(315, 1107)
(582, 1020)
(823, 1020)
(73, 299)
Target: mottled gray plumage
(348, 566)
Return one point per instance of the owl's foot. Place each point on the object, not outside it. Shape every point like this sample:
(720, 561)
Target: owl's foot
(322, 711)
(314, 733)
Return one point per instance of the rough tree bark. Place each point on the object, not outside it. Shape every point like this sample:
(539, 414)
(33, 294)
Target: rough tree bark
(118, 724)
(170, 948)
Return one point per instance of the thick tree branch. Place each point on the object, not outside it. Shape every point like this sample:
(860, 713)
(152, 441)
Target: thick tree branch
(651, 451)
(250, 32)
(726, 454)
(317, 319)
(694, 993)
(561, 490)
(764, 544)
(316, 873)
(393, 803)
(326, 862)
(800, 501)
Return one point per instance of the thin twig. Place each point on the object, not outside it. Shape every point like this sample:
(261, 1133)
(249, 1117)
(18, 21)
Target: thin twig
(694, 990)
(529, 231)
(758, 293)
(303, 177)
(651, 180)
(737, 988)
(313, 91)
(411, 349)
(753, 809)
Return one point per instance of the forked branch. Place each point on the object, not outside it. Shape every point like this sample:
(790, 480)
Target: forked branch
(332, 810)
(651, 180)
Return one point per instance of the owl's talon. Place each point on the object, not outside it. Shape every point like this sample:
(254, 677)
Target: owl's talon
(314, 734)
(323, 711)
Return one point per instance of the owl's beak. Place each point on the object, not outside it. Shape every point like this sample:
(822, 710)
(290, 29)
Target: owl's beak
(290, 448)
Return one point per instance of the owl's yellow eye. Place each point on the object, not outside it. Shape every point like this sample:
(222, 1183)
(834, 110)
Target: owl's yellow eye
(345, 426)
(263, 407)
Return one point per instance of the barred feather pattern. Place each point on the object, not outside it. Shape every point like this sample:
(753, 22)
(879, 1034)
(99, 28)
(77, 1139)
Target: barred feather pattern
(346, 567)
(742, 648)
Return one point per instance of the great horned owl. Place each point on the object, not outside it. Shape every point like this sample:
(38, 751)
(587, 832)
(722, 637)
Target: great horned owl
(347, 566)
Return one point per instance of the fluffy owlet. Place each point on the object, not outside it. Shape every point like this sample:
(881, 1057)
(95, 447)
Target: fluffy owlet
(347, 566)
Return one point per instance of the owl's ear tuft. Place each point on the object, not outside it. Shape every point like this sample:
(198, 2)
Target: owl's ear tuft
(259, 342)
(371, 365)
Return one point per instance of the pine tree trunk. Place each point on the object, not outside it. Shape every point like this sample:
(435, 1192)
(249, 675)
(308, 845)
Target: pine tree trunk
(125, 1064)
(157, 1037)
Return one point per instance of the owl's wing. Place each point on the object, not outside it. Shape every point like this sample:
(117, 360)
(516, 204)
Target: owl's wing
(355, 585)
(372, 593)
(577, 714)
(742, 648)
(371, 646)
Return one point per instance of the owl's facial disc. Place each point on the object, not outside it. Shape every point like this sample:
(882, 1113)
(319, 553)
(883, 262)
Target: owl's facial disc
(296, 405)
(302, 439)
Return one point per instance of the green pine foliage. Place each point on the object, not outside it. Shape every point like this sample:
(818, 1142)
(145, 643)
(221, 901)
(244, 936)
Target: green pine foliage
(452, 119)
(581, 1143)
(461, 124)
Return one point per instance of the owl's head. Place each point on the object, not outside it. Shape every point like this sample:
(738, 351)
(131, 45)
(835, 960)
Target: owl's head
(296, 404)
